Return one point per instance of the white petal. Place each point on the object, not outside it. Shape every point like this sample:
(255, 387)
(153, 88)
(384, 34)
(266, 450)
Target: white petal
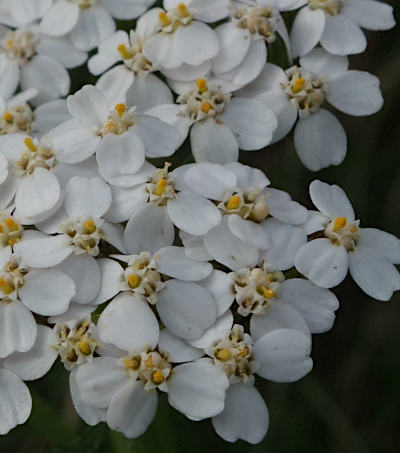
(17, 328)
(173, 262)
(176, 349)
(47, 292)
(320, 140)
(369, 14)
(194, 247)
(321, 62)
(75, 311)
(248, 231)
(159, 138)
(87, 197)
(119, 157)
(43, 252)
(108, 53)
(127, 9)
(146, 93)
(84, 271)
(213, 141)
(89, 414)
(331, 200)
(48, 76)
(7, 191)
(88, 105)
(193, 213)
(25, 11)
(323, 263)
(114, 235)
(61, 50)
(37, 193)
(316, 305)
(132, 409)
(315, 222)
(285, 241)
(251, 121)
(99, 380)
(384, 243)
(60, 19)
(197, 389)
(373, 273)
(38, 360)
(245, 415)
(279, 315)
(179, 77)
(170, 113)
(115, 84)
(210, 180)
(149, 229)
(160, 49)
(186, 309)
(94, 25)
(50, 115)
(196, 43)
(284, 209)
(234, 43)
(15, 401)
(306, 30)
(9, 76)
(342, 36)
(220, 286)
(125, 201)
(355, 93)
(112, 275)
(221, 329)
(128, 323)
(228, 249)
(248, 178)
(284, 355)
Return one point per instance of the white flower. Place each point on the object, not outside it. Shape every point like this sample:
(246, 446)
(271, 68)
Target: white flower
(221, 124)
(33, 60)
(88, 22)
(25, 11)
(126, 386)
(119, 135)
(335, 24)
(319, 137)
(15, 399)
(154, 205)
(241, 196)
(184, 305)
(368, 253)
(80, 228)
(181, 38)
(243, 39)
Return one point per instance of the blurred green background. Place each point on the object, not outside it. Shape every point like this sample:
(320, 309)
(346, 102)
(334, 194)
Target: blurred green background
(350, 403)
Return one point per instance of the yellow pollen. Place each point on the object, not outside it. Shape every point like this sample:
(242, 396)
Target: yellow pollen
(164, 19)
(339, 222)
(206, 106)
(131, 363)
(10, 43)
(124, 52)
(202, 85)
(183, 10)
(120, 109)
(233, 203)
(134, 281)
(90, 226)
(11, 224)
(149, 362)
(269, 293)
(11, 242)
(244, 352)
(7, 288)
(8, 117)
(157, 377)
(298, 85)
(30, 145)
(224, 355)
(84, 347)
(160, 187)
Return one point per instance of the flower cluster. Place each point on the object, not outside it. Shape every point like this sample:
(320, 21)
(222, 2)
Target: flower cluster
(187, 279)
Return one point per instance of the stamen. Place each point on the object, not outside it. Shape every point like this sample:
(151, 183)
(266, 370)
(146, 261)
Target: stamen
(339, 223)
(160, 187)
(299, 85)
(202, 85)
(132, 363)
(206, 106)
(90, 226)
(183, 10)
(233, 203)
(126, 54)
(149, 362)
(30, 145)
(84, 347)
(8, 117)
(224, 355)
(6, 287)
(157, 377)
(11, 224)
(134, 281)
(120, 109)
(164, 19)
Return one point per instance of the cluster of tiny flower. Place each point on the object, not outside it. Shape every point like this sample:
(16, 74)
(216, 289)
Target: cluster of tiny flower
(189, 280)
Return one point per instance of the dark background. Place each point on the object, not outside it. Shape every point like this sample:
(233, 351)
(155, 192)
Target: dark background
(350, 403)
